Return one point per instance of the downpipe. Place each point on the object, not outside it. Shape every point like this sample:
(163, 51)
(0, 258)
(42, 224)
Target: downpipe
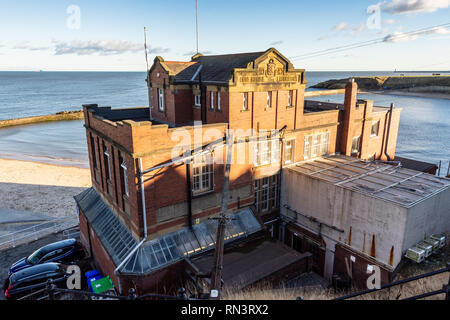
(144, 212)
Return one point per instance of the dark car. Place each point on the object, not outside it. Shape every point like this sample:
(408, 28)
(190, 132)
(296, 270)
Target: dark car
(63, 251)
(35, 278)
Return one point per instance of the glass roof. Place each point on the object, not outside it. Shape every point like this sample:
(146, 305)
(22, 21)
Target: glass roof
(177, 245)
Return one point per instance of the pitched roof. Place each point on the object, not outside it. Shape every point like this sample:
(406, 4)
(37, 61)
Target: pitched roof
(175, 67)
(217, 68)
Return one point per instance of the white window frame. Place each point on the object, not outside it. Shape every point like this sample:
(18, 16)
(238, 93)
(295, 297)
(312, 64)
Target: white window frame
(218, 100)
(269, 100)
(290, 98)
(202, 174)
(160, 99)
(108, 156)
(267, 152)
(316, 145)
(197, 100)
(212, 99)
(123, 165)
(289, 149)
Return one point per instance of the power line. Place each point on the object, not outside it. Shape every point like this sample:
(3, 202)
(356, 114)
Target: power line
(366, 43)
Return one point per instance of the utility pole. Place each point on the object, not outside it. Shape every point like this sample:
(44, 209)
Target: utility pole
(216, 273)
(148, 75)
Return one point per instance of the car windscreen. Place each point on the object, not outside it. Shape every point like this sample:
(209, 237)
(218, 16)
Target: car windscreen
(36, 256)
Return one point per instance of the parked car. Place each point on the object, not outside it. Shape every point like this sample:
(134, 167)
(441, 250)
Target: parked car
(65, 251)
(32, 279)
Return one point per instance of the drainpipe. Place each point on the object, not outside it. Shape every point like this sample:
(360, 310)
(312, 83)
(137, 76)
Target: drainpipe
(144, 212)
(189, 192)
(387, 134)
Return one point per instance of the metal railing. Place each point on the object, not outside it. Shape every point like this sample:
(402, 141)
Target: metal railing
(445, 288)
(11, 240)
(50, 292)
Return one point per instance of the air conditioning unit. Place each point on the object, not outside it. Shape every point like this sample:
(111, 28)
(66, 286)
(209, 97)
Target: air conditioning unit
(415, 254)
(434, 243)
(440, 238)
(428, 248)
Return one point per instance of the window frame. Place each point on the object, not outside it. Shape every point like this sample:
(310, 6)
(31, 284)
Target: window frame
(107, 159)
(199, 102)
(290, 98)
(211, 100)
(269, 100)
(267, 152)
(266, 195)
(161, 100)
(377, 123)
(202, 171)
(289, 144)
(218, 101)
(358, 150)
(245, 101)
(316, 145)
(124, 170)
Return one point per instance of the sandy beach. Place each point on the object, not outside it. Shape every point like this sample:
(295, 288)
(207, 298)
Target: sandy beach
(42, 188)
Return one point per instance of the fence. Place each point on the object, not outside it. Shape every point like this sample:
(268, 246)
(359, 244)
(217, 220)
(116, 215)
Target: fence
(445, 288)
(50, 292)
(11, 240)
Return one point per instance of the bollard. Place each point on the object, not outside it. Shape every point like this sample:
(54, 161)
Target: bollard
(182, 294)
(50, 287)
(132, 294)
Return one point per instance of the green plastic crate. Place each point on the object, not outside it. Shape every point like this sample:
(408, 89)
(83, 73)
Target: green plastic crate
(102, 285)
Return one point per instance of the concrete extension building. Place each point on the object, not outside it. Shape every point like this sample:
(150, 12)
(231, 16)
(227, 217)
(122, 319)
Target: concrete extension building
(146, 220)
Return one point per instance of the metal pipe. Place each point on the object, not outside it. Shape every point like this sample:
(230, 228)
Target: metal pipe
(387, 133)
(144, 212)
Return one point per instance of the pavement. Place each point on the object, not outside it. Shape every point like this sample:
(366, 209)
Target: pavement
(9, 216)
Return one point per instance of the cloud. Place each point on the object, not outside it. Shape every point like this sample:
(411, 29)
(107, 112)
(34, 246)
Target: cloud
(413, 6)
(28, 46)
(276, 43)
(102, 47)
(439, 30)
(323, 38)
(399, 37)
(341, 26)
(389, 21)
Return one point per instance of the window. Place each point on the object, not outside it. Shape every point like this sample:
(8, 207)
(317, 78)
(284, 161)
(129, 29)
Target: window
(267, 152)
(160, 99)
(289, 151)
(93, 153)
(290, 98)
(269, 99)
(124, 169)
(218, 100)
(316, 145)
(375, 128)
(356, 146)
(212, 99)
(197, 100)
(202, 174)
(245, 101)
(107, 162)
(266, 194)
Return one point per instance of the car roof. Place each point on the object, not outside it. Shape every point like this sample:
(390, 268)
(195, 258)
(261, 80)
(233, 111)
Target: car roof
(59, 245)
(37, 269)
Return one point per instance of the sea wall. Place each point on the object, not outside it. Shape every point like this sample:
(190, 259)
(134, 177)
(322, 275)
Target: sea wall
(60, 116)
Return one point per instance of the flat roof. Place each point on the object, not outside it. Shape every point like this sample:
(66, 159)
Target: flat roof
(253, 262)
(393, 183)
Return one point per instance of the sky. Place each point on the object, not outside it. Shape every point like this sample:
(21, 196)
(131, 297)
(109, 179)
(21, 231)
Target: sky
(98, 35)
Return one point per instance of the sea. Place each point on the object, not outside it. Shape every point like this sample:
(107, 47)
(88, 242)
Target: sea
(424, 132)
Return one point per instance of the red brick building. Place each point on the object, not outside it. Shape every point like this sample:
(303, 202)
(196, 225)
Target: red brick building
(251, 94)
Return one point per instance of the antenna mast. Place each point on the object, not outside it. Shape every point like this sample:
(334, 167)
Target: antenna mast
(148, 75)
(196, 22)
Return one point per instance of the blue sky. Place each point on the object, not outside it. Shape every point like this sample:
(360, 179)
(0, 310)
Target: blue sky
(108, 36)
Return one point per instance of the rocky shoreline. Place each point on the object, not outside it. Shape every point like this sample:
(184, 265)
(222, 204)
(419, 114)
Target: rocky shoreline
(407, 85)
